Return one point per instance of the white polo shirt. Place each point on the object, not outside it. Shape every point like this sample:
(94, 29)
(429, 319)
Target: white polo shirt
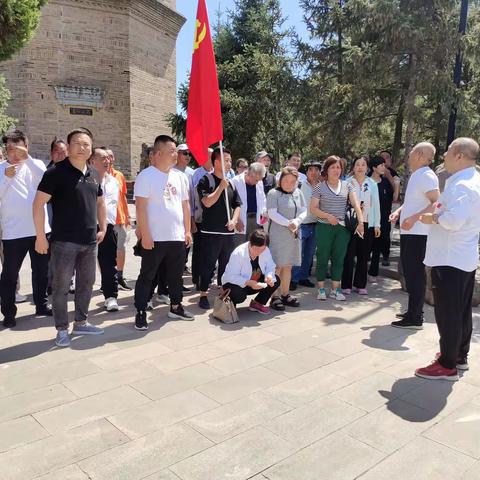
(421, 181)
(165, 193)
(454, 241)
(16, 199)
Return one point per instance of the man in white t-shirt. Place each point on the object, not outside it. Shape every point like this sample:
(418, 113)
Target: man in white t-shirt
(420, 197)
(163, 221)
(19, 178)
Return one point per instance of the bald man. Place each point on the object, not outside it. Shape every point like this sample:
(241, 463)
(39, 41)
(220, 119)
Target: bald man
(452, 252)
(420, 197)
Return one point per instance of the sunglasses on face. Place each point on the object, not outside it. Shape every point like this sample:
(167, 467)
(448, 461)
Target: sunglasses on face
(186, 153)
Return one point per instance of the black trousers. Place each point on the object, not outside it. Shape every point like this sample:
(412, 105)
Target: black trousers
(358, 248)
(107, 260)
(412, 254)
(239, 294)
(160, 280)
(14, 252)
(452, 292)
(214, 248)
(196, 255)
(380, 245)
(173, 254)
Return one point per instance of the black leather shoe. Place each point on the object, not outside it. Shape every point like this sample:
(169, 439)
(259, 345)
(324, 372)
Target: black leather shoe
(293, 286)
(45, 311)
(306, 283)
(9, 322)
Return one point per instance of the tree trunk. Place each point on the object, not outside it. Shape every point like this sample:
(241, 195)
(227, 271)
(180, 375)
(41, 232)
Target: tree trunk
(397, 139)
(438, 134)
(410, 107)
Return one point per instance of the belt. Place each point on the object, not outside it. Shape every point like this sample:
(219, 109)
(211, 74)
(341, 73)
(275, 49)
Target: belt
(251, 214)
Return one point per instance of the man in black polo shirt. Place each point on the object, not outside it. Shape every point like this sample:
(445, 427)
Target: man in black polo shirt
(74, 190)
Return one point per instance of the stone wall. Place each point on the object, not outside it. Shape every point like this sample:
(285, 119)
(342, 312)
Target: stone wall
(112, 61)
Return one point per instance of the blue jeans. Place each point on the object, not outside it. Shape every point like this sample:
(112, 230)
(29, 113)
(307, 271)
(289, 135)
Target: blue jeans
(308, 250)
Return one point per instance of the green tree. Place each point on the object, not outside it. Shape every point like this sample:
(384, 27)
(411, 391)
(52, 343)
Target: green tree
(5, 121)
(18, 22)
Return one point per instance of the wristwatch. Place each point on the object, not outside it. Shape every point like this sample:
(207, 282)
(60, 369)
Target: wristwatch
(435, 218)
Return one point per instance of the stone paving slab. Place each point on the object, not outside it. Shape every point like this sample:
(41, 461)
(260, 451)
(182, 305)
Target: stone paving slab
(326, 391)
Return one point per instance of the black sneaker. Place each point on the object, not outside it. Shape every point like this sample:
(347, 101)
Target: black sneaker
(306, 283)
(141, 321)
(408, 324)
(180, 313)
(185, 289)
(385, 263)
(293, 286)
(204, 303)
(44, 311)
(9, 322)
(123, 285)
(404, 314)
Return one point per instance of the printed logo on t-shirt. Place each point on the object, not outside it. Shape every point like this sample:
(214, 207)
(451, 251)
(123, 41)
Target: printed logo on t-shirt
(256, 274)
(169, 191)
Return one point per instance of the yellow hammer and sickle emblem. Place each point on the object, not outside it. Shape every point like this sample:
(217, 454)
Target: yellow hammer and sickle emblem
(199, 36)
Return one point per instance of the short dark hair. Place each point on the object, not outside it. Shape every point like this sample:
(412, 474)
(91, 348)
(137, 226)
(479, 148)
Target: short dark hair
(385, 151)
(216, 153)
(376, 161)
(294, 154)
(162, 139)
(56, 141)
(15, 136)
(357, 159)
(259, 238)
(79, 131)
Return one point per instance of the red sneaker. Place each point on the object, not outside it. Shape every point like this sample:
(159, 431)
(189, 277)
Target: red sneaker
(462, 363)
(258, 307)
(436, 372)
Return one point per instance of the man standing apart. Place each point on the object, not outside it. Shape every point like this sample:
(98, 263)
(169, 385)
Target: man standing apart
(74, 190)
(452, 252)
(19, 178)
(163, 220)
(122, 221)
(420, 197)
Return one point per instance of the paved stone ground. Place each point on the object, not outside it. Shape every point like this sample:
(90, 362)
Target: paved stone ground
(325, 392)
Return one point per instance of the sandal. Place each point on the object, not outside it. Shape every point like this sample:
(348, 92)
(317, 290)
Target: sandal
(277, 304)
(290, 301)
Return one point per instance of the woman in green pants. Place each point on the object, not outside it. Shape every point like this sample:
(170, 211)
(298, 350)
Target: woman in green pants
(329, 205)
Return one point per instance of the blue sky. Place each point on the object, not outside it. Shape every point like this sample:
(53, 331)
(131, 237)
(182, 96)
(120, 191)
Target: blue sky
(188, 8)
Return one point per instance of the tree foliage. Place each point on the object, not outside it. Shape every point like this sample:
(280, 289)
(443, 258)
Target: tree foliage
(18, 21)
(5, 121)
(372, 74)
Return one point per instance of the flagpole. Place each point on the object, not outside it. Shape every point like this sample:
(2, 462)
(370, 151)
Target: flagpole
(227, 205)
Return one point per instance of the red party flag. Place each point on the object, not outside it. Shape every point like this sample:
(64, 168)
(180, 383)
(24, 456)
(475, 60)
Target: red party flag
(204, 117)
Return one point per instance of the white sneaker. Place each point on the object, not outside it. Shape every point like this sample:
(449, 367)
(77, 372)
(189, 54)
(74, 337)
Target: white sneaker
(322, 294)
(150, 306)
(20, 298)
(337, 295)
(111, 304)
(163, 299)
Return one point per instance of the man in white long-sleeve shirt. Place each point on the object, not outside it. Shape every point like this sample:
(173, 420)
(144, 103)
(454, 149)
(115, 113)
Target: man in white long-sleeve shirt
(19, 178)
(452, 252)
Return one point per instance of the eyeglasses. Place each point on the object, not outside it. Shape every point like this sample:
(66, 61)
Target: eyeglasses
(186, 153)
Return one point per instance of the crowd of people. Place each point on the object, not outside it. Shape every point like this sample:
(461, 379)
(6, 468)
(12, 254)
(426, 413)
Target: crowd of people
(261, 232)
